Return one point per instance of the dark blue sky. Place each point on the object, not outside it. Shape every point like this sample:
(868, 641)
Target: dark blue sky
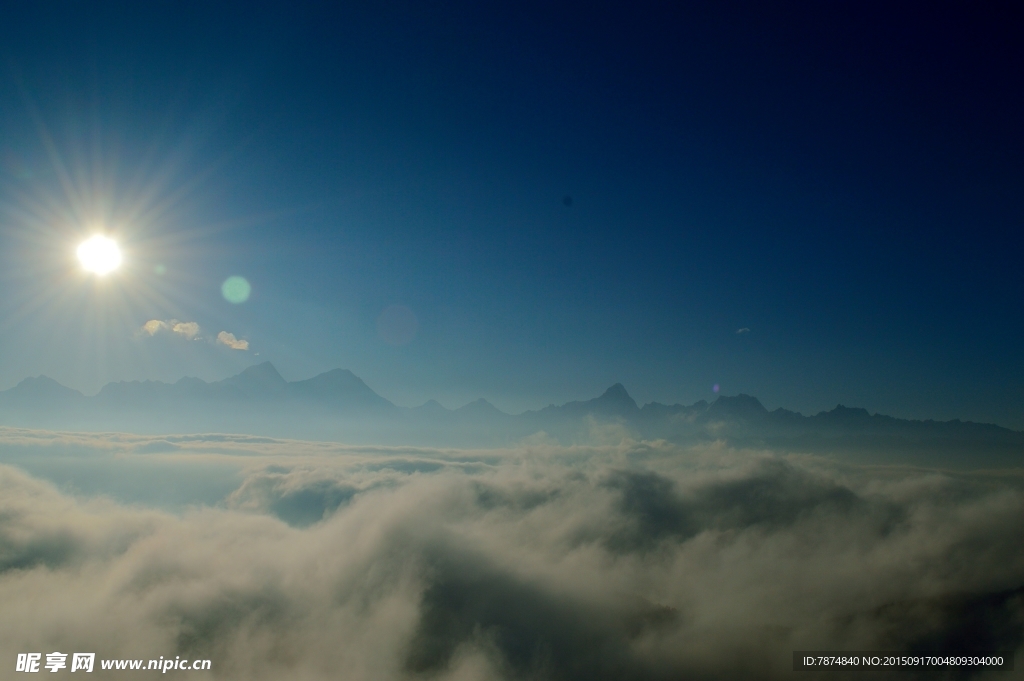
(845, 181)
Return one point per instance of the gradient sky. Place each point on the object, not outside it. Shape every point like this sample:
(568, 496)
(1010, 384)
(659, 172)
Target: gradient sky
(844, 182)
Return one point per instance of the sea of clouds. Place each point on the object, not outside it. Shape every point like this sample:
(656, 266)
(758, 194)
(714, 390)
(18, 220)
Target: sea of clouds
(295, 560)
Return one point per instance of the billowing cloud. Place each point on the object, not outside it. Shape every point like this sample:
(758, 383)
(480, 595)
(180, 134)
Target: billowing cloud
(636, 560)
(743, 331)
(189, 330)
(228, 339)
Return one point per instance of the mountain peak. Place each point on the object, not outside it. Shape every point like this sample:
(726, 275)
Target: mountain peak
(844, 414)
(44, 387)
(333, 382)
(617, 395)
(337, 377)
(37, 380)
(263, 369)
(742, 405)
(480, 407)
(257, 377)
(338, 386)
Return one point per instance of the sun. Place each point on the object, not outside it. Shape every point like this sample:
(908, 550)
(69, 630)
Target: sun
(99, 255)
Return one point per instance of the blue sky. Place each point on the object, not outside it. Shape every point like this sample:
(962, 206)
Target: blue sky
(844, 182)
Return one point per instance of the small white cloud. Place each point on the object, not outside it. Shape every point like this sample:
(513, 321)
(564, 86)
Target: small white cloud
(189, 330)
(744, 330)
(153, 326)
(228, 339)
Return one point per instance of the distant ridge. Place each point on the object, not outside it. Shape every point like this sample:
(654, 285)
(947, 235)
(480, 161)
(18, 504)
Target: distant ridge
(337, 404)
(262, 380)
(43, 389)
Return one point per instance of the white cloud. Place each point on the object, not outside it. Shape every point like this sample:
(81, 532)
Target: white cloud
(228, 339)
(189, 330)
(154, 326)
(639, 560)
(743, 331)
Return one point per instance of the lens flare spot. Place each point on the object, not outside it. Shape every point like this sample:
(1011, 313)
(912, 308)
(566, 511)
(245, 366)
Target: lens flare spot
(235, 290)
(714, 388)
(99, 255)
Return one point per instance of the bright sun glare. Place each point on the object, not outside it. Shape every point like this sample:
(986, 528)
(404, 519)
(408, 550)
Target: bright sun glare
(99, 255)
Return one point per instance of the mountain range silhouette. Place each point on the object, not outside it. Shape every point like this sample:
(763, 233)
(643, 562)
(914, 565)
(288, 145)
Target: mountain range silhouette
(338, 405)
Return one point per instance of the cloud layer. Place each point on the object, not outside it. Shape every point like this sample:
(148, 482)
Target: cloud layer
(634, 561)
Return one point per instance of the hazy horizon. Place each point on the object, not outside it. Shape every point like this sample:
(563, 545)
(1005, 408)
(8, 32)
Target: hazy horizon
(455, 407)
